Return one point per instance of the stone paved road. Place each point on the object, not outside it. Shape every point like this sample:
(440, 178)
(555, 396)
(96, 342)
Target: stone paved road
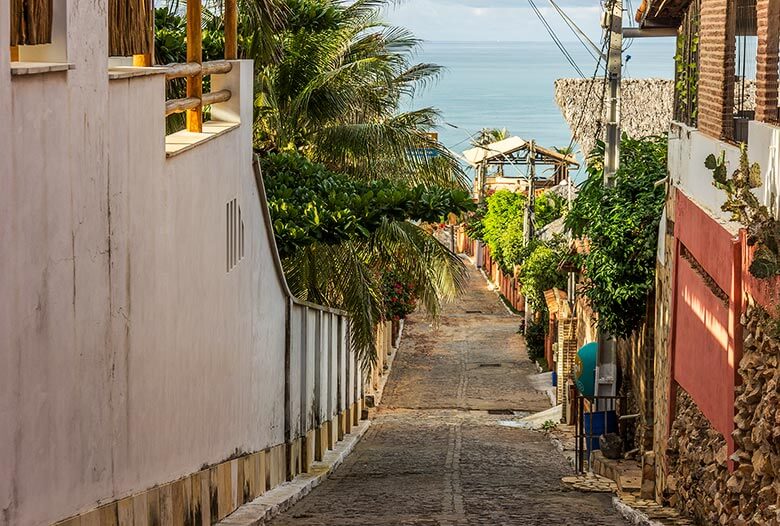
(436, 456)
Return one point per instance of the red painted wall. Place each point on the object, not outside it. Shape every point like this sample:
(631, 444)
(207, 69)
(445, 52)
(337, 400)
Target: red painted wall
(706, 239)
(707, 335)
(703, 347)
(765, 292)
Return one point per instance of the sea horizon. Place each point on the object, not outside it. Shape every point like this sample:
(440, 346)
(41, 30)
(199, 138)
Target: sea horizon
(493, 84)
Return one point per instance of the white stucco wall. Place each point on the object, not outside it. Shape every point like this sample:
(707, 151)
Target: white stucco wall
(192, 331)
(764, 149)
(129, 355)
(688, 148)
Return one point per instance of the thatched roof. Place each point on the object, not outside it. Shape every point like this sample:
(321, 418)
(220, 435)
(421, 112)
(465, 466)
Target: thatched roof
(130, 24)
(31, 22)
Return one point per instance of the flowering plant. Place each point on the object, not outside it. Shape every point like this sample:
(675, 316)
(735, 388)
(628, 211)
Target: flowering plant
(400, 298)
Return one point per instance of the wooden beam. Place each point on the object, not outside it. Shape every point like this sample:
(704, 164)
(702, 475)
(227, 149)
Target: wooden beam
(215, 97)
(179, 105)
(14, 53)
(188, 103)
(213, 67)
(231, 29)
(195, 54)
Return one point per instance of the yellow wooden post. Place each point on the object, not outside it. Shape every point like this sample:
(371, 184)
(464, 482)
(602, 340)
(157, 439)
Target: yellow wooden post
(142, 61)
(231, 29)
(195, 54)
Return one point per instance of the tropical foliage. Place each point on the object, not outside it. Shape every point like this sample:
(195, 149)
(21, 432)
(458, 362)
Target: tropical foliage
(541, 271)
(621, 224)
(499, 223)
(347, 171)
(336, 91)
(311, 204)
(763, 228)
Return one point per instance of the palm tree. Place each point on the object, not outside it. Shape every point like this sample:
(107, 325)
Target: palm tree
(336, 91)
(334, 95)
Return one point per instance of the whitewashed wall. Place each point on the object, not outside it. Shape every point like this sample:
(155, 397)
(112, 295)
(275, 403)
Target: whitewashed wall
(129, 355)
(688, 148)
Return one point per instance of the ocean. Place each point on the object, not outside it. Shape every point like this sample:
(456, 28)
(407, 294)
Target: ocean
(510, 85)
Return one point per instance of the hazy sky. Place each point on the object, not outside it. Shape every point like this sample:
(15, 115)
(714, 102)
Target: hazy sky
(486, 20)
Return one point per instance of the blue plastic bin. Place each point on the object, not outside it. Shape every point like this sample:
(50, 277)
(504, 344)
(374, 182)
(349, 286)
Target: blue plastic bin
(603, 422)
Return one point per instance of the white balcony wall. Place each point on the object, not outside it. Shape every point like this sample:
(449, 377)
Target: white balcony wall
(764, 149)
(130, 354)
(688, 149)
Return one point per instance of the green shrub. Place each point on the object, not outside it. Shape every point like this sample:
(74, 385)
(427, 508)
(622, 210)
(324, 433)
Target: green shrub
(534, 338)
(310, 203)
(539, 272)
(621, 224)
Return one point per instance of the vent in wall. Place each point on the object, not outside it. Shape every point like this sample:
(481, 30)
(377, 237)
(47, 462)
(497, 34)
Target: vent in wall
(235, 234)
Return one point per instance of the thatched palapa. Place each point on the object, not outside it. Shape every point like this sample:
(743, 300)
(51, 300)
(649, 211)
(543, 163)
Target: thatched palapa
(31, 22)
(130, 24)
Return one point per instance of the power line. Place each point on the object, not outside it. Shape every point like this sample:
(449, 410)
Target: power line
(592, 49)
(555, 39)
(584, 109)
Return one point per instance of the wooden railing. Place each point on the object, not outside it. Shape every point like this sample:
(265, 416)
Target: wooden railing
(190, 71)
(195, 69)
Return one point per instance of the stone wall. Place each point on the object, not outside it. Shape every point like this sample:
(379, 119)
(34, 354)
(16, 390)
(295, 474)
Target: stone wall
(699, 482)
(754, 487)
(646, 107)
(663, 320)
(635, 358)
(697, 457)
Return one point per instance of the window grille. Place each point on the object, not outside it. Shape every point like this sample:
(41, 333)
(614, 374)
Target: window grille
(234, 234)
(686, 77)
(744, 68)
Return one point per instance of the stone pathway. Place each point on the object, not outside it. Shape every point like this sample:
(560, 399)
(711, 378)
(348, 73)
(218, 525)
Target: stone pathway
(437, 453)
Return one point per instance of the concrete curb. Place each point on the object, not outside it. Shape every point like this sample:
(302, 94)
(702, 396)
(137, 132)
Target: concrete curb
(281, 498)
(632, 515)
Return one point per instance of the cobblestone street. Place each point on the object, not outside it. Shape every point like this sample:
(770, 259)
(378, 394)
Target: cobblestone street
(436, 452)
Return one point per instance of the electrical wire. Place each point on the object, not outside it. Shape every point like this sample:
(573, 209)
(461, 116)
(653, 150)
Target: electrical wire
(584, 110)
(555, 39)
(592, 49)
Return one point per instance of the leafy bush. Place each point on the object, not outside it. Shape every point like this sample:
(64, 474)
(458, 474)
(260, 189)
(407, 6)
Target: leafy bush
(499, 223)
(503, 208)
(534, 338)
(399, 295)
(621, 224)
(547, 208)
(539, 272)
(310, 203)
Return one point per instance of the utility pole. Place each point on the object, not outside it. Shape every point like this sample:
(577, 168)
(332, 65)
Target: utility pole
(606, 364)
(480, 184)
(528, 220)
(613, 24)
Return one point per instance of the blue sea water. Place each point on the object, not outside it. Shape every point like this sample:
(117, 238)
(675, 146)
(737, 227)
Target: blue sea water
(510, 85)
